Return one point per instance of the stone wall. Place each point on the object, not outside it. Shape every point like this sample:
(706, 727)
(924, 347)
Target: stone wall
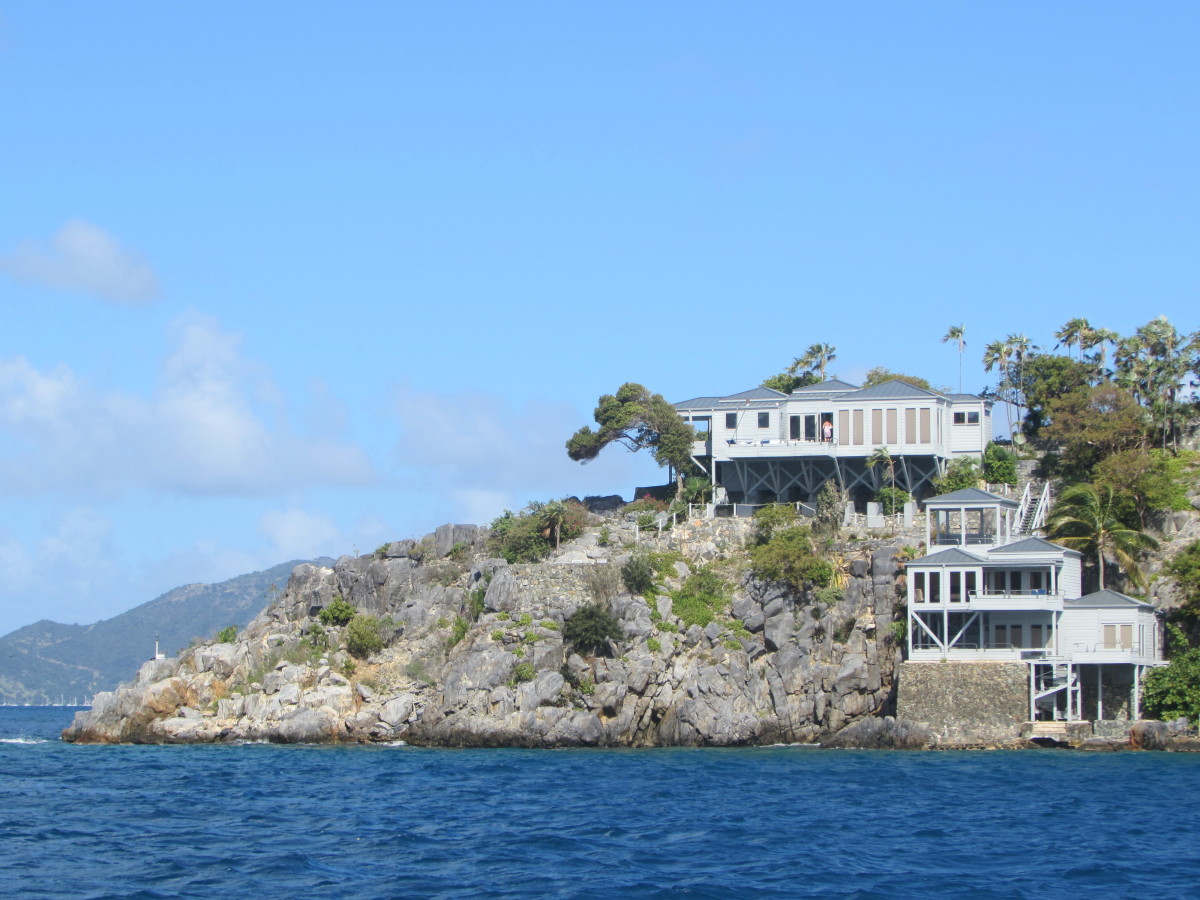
(965, 702)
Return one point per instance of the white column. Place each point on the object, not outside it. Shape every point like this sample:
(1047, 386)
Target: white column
(1099, 692)
(1137, 698)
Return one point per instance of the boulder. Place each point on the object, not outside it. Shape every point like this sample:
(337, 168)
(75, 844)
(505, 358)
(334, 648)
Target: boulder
(305, 726)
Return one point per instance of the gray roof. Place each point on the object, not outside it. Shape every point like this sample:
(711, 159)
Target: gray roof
(1106, 598)
(892, 390)
(829, 386)
(961, 398)
(698, 403)
(1034, 545)
(952, 557)
(970, 496)
(758, 393)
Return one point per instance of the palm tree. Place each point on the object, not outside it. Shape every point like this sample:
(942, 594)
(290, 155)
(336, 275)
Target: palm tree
(1084, 520)
(1099, 338)
(1020, 346)
(956, 333)
(882, 456)
(551, 518)
(997, 355)
(1072, 334)
(818, 356)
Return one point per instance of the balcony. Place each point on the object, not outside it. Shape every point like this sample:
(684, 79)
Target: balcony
(768, 448)
(1000, 601)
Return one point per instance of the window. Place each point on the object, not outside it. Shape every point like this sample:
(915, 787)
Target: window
(1118, 637)
(731, 421)
(764, 420)
(966, 418)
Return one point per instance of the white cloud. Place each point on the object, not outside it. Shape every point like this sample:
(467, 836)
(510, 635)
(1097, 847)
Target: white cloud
(215, 425)
(58, 575)
(84, 257)
(485, 454)
(297, 534)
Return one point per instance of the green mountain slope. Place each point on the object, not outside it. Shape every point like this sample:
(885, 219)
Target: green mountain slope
(47, 661)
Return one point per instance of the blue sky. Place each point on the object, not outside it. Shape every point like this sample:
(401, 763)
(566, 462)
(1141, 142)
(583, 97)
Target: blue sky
(280, 280)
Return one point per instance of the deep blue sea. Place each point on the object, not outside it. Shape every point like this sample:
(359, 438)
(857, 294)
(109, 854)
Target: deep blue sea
(263, 821)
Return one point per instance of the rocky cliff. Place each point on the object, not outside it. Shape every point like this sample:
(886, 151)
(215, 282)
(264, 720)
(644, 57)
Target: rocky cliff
(475, 654)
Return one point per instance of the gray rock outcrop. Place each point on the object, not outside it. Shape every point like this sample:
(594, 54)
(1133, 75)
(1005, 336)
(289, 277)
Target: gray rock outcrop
(475, 655)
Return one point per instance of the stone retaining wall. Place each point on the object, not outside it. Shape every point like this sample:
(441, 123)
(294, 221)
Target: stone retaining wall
(965, 702)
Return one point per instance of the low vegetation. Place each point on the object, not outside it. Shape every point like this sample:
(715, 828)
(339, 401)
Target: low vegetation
(591, 630)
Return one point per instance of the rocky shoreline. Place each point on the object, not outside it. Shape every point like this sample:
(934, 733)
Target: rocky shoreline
(775, 668)
(475, 657)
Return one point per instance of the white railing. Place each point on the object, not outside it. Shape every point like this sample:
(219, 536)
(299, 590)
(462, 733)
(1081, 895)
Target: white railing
(1043, 509)
(1022, 506)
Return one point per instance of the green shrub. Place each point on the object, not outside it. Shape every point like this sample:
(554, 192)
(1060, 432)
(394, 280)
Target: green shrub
(318, 636)
(497, 635)
(476, 597)
(590, 630)
(525, 537)
(227, 634)
(518, 651)
(1174, 690)
(460, 552)
(549, 624)
(363, 637)
(773, 518)
(893, 499)
(788, 558)
(638, 574)
(604, 539)
(830, 595)
(960, 473)
(897, 632)
(653, 644)
(338, 612)
(1184, 567)
(645, 521)
(458, 632)
(999, 465)
(587, 686)
(524, 671)
(702, 595)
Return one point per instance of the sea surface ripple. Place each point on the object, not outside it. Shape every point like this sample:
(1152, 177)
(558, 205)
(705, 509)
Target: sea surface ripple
(376, 822)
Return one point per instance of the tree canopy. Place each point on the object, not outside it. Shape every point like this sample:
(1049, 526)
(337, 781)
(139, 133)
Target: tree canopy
(639, 420)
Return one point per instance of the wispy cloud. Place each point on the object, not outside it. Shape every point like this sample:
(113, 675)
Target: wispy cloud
(84, 257)
(215, 425)
(487, 454)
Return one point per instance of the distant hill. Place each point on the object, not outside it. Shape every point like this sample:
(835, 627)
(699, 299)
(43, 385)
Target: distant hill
(47, 661)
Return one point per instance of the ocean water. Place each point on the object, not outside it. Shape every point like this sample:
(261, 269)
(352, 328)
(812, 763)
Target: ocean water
(263, 821)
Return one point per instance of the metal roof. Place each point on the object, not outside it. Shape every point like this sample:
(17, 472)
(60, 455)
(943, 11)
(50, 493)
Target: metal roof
(970, 496)
(892, 390)
(1034, 544)
(758, 393)
(829, 386)
(1105, 599)
(952, 557)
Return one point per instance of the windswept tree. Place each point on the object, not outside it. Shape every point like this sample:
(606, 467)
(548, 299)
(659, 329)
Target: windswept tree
(1085, 519)
(957, 333)
(816, 358)
(638, 420)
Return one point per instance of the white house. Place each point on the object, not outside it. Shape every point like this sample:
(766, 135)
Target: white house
(763, 446)
(987, 594)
